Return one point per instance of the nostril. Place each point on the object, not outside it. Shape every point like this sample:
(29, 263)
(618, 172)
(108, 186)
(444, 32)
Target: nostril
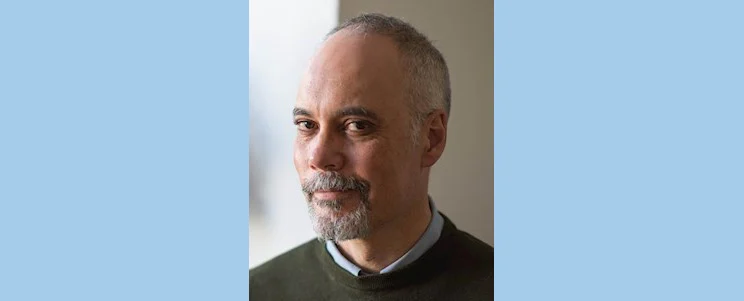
(326, 155)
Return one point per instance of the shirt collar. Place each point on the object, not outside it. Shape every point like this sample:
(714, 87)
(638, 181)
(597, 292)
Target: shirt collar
(427, 240)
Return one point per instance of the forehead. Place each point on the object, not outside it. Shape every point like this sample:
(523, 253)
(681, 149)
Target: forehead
(353, 69)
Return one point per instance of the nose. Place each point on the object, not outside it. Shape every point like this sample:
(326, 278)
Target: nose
(326, 152)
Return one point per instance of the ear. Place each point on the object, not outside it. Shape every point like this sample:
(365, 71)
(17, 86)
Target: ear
(436, 137)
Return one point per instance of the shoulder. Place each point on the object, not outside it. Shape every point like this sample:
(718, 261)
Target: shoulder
(466, 248)
(291, 263)
(472, 256)
(469, 269)
(292, 275)
(477, 249)
(469, 266)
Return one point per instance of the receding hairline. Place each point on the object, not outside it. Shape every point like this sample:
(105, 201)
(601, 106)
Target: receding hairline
(424, 63)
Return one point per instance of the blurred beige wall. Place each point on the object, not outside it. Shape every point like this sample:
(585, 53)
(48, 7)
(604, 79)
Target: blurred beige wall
(461, 182)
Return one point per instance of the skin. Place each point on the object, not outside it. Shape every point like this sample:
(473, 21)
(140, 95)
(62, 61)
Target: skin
(352, 117)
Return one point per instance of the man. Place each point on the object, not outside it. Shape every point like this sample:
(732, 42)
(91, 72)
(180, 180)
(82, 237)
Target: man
(371, 117)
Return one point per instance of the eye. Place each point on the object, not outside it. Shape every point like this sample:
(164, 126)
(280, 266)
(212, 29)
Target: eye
(305, 125)
(359, 126)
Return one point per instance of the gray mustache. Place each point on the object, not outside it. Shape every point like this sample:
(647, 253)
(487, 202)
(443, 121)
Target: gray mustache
(332, 180)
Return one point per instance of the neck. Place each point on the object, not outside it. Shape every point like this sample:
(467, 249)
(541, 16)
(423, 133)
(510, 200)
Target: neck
(389, 241)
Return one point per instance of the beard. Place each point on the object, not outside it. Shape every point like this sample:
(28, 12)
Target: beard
(338, 226)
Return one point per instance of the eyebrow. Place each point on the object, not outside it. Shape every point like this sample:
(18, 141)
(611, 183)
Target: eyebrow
(348, 111)
(300, 112)
(356, 111)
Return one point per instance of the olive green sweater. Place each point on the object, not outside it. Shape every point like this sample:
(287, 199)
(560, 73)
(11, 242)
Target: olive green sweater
(457, 267)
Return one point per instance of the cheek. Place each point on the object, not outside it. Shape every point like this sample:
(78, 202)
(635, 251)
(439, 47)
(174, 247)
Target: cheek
(299, 158)
(377, 164)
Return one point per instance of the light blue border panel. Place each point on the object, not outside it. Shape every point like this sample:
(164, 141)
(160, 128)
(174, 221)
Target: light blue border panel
(123, 150)
(619, 150)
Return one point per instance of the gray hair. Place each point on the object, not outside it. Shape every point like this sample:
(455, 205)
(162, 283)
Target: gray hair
(428, 81)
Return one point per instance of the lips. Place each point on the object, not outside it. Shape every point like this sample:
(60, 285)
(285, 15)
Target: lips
(331, 194)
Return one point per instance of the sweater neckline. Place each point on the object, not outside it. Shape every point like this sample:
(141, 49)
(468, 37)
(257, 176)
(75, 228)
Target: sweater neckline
(428, 265)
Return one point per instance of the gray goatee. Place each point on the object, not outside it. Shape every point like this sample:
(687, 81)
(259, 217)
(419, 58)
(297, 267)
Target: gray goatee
(352, 225)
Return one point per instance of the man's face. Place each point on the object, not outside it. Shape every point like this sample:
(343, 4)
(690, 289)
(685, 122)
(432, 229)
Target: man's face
(353, 150)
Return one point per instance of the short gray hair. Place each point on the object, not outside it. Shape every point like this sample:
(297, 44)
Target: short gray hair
(428, 81)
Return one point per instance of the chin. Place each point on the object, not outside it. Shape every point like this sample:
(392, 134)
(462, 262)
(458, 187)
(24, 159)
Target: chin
(340, 224)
